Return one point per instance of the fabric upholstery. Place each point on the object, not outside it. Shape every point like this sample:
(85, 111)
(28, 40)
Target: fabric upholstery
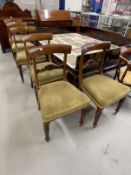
(21, 57)
(103, 90)
(60, 98)
(127, 78)
(20, 46)
(46, 76)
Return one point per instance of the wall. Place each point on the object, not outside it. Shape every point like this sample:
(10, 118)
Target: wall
(73, 5)
(50, 4)
(37, 4)
(26, 4)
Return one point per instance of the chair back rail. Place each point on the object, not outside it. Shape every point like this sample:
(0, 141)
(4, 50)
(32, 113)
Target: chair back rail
(35, 38)
(49, 49)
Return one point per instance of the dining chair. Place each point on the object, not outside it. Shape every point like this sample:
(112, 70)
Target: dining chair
(17, 37)
(102, 90)
(123, 72)
(44, 77)
(19, 48)
(60, 98)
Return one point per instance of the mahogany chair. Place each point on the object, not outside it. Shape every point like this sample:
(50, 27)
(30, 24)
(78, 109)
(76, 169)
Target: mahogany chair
(123, 74)
(60, 98)
(44, 77)
(15, 36)
(19, 48)
(102, 90)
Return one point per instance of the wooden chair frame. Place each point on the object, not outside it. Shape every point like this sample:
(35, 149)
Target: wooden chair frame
(35, 38)
(123, 59)
(82, 64)
(21, 30)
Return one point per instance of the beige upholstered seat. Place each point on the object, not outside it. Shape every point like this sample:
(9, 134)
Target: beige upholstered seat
(20, 46)
(102, 90)
(47, 76)
(60, 98)
(111, 91)
(21, 57)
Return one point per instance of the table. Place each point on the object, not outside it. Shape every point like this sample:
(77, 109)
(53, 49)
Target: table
(77, 41)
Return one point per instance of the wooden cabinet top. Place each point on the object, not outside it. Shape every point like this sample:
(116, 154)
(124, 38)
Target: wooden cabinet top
(54, 15)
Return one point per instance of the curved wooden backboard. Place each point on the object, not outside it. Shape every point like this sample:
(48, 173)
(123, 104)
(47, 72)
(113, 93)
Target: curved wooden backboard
(10, 9)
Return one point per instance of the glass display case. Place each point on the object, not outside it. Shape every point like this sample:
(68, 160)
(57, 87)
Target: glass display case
(115, 23)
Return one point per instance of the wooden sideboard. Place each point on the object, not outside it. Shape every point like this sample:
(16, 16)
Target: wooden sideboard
(10, 9)
(53, 18)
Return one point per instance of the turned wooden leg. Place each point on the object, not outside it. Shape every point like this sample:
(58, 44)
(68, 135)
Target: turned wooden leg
(97, 117)
(31, 82)
(82, 117)
(46, 130)
(21, 73)
(119, 105)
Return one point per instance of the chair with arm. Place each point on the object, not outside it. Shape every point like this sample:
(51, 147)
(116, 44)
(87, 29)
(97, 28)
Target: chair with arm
(124, 73)
(59, 98)
(102, 90)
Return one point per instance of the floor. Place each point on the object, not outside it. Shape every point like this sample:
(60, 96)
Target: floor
(105, 150)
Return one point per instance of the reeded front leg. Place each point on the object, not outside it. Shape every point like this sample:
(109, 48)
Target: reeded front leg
(46, 130)
(82, 117)
(97, 117)
(21, 73)
(119, 105)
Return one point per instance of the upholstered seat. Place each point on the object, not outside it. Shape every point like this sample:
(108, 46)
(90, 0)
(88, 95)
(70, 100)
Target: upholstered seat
(21, 58)
(47, 76)
(111, 91)
(59, 99)
(20, 46)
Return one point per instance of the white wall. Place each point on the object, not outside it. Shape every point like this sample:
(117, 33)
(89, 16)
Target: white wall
(73, 5)
(26, 4)
(50, 4)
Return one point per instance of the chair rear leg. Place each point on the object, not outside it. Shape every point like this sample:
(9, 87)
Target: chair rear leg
(82, 117)
(21, 73)
(119, 105)
(97, 116)
(31, 82)
(46, 130)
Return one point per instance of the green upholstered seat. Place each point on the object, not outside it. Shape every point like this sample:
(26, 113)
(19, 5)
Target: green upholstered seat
(20, 46)
(21, 57)
(103, 90)
(60, 98)
(48, 75)
(127, 78)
